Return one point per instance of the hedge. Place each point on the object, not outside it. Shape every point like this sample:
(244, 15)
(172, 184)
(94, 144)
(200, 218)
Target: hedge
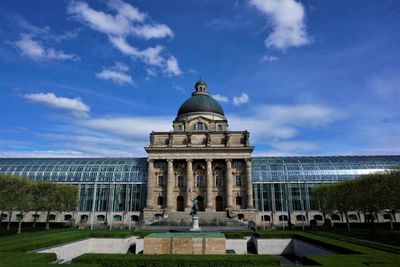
(125, 260)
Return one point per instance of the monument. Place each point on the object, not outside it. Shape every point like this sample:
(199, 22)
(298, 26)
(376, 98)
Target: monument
(195, 217)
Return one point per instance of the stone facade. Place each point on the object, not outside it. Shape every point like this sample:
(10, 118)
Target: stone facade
(199, 245)
(200, 158)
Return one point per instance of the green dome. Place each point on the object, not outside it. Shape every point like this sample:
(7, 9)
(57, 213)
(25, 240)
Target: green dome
(200, 103)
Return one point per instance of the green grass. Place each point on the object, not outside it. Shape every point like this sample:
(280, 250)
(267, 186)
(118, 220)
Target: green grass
(363, 231)
(13, 250)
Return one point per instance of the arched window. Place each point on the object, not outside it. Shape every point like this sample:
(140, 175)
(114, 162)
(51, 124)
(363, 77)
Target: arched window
(117, 218)
(160, 201)
(283, 218)
(3, 216)
(67, 217)
(84, 218)
(199, 126)
(52, 217)
(240, 216)
(301, 218)
(318, 217)
(134, 218)
(335, 217)
(353, 217)
(35, 217)
(386, 216)
(266, 218)
(100, 218)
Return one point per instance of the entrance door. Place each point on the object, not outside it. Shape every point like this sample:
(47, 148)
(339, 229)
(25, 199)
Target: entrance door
(219, 204)
(180, 203)
(200, 202)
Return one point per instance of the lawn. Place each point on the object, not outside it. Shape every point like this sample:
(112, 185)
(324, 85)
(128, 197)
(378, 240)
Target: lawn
(13, 248)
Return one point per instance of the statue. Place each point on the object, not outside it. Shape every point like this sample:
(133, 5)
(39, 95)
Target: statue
(195, 207)
(195, 217)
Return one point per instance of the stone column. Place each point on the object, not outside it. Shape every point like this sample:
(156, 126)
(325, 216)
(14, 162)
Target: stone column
(209, 184)
(249, 185)
(228, 182)
(189, 182)
(170, 184)
(150, 184)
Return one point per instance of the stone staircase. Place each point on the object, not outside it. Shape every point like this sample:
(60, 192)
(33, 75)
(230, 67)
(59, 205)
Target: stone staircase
(205, 219)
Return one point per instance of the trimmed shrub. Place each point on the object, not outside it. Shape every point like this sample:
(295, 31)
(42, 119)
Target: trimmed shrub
(113, 260)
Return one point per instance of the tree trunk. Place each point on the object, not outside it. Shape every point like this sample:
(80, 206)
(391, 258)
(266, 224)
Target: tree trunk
(20, 222)
(9, 221)
(34, 219)
(48, 221)
(391, 221)
(347, 222)
(372, 224)
(1, 217)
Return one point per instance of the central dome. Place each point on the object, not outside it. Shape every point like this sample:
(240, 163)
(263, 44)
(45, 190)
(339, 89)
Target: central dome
(200, 101)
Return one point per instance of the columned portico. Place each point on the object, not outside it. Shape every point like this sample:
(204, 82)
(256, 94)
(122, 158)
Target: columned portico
(228, 179)
(150, 184)
(189, 183)
(200, 158)
(249, 185)
(209, 206)
(170, 184)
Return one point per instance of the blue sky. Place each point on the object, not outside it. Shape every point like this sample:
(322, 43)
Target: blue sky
(94, 78)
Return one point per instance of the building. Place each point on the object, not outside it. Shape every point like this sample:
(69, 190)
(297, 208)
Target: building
(200, 158)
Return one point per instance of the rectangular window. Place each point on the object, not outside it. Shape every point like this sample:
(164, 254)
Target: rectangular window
(237, 164)
(200, 180)
(180, 128)
(219, 127)
(218, 181)
(180, 181)
(238, 180)
(160, 180)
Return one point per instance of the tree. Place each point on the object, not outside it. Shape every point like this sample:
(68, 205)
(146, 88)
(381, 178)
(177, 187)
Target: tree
(24, 201)
(391, 189)
(343, 198)
(8, 197)
(322, 197)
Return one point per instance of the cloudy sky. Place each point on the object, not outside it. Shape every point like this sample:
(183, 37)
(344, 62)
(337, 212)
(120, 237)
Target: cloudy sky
(94, 78)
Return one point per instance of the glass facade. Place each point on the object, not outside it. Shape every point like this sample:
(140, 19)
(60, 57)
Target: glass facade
(119, 184)
(285, 183)
(113, 184)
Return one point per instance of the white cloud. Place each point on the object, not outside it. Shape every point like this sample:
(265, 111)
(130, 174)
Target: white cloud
(125, 21)
(268, 58)
(287, 19)
(172, 67)
(220, 98)
(132, 127)
(240, 100)
(119, 24)
(293, 146)
(41, 154)
(74, 105)
(153, 31)
(283, 122)
(35, 50)
(116, 73)
(385, 85)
